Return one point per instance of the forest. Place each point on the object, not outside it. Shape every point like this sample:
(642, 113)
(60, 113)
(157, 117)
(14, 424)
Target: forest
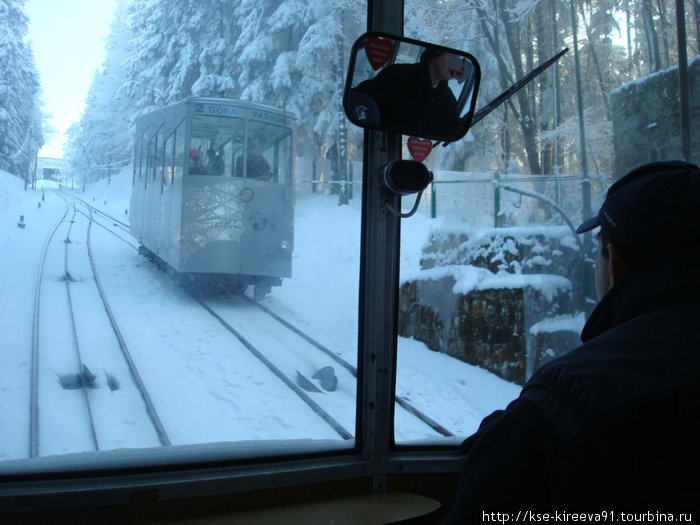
(292, 54)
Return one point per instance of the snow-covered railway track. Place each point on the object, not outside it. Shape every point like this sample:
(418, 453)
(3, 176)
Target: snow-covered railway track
(308, 368)
(121, 225)
(86, 392)
(293, 357)
(353, 370)
(110, 224)
(225, 318)
(34, 358)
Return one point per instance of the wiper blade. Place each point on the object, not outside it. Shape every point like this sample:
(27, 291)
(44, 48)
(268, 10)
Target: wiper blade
(500, 99)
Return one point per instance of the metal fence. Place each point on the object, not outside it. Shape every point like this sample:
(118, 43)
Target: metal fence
(482, 199)
(495, 200)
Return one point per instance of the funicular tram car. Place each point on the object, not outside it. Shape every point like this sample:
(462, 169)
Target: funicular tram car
(194, 211)
(213, 194)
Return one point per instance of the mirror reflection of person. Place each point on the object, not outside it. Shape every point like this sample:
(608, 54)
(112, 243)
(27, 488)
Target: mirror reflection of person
(415, 98)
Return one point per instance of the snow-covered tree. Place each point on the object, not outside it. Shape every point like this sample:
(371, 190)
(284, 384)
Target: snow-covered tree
(510, 38)
(157, 47)
(292, 54)
(181, 49)
(21, 133)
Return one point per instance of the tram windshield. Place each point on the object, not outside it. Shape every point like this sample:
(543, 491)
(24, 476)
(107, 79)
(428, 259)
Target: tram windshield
(220, 146)
(215, 143)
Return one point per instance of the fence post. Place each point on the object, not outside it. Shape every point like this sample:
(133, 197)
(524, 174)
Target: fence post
(313, 176)
(433, 201)
(496, 200)
(350, 177)
(588, 276)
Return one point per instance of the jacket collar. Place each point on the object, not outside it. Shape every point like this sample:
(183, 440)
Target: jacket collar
(665, 282)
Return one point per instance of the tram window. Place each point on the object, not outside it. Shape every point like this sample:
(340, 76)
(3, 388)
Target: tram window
(151, 159)
(169, 161)
(269, 152)
(162, 159)
(492, 281)
(143, 158)
(179, 152)
(157, 164)
(137, 159)
(214, 144)
(223, 403)
(140, 159)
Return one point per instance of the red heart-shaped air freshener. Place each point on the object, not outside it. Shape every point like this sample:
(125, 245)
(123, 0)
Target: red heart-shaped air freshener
(379, 51)
(419, 148)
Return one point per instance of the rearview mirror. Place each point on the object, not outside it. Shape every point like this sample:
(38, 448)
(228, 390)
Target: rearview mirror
(410, 87)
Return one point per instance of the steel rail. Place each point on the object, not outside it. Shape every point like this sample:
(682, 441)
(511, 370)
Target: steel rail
(402, 402)
(281, 375)
(34, 379)
(67, 279)
(136, 377)
(123, 225)
(106, 228)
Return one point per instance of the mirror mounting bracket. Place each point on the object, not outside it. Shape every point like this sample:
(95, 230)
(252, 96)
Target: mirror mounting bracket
(389, 208)
(403, 177)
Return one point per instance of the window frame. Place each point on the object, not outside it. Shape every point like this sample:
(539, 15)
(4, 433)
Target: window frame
(375, 456)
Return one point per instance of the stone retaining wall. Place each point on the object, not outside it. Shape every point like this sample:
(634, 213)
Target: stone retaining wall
(486, 299)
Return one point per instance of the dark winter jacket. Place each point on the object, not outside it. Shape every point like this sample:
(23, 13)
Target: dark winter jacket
(406, 100)
(612, 425)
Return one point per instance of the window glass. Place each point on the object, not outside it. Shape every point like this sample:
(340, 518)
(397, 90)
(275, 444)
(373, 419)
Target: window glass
(269, 152)
(234, 299)
(160, 155)
(494, 281)
(138, 148)
(169, 160)
(179, 152)
(215, 144)
(143, 157)
(151, 163)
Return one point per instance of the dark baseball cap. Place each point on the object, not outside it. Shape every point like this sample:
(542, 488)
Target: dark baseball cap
(654, 207)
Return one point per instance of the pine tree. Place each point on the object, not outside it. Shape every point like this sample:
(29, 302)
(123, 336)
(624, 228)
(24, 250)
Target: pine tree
(21, 133)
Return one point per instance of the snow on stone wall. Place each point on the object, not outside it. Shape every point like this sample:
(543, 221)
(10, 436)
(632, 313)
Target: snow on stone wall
(500, 298)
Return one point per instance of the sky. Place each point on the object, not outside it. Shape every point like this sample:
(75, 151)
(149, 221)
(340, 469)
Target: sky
(68, 40)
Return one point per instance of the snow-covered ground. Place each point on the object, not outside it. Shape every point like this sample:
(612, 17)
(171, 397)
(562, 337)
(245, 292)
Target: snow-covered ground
(203, 393)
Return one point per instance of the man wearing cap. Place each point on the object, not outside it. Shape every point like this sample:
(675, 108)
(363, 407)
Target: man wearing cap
(614, 425)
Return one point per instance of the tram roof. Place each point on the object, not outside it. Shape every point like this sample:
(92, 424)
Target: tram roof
(237, 102)
(246, 104)
(147, 118)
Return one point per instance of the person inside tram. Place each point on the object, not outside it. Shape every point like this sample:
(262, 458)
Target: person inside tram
(415, 96)
(195, 164)
(612, 424)
(256, 166)
(215, 165)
